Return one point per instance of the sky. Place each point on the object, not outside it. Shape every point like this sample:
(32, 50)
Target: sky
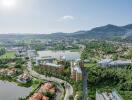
(50, 16)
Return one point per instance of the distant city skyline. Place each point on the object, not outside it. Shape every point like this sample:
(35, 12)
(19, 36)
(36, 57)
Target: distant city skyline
(49, 16)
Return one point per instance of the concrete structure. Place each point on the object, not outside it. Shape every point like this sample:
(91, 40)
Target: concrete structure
(108, 96)
(120, 63)
(24, 78)
(76, 72)
(31, 53)
(52, 67)
(111, 63)
(50, 64)
(8, 71)
(39, 60)
(104, 62)
(21, 54)
(79, 62)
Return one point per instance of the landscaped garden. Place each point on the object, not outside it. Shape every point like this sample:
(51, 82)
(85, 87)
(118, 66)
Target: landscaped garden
(8, 55)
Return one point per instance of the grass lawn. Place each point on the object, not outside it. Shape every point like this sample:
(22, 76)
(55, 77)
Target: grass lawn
(90, 65)
(74, 50)
(8, 55)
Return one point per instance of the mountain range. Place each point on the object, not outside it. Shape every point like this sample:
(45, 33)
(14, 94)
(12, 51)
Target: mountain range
(104, 32)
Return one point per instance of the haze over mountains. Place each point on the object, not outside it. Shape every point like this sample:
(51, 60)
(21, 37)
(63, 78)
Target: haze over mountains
(104, 32)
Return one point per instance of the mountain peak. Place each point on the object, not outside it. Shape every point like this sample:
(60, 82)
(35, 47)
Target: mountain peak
(129, 26)
(110, 26)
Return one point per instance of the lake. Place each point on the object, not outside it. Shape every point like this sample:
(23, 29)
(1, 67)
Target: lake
(10, 91)
(57, 54)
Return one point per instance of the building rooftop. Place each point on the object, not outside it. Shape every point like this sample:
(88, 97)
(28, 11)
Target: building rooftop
(53, 65)
(110, 62)
(105, 61)
(121, 62)
(45, 58)
(31, 50)
(108, 96)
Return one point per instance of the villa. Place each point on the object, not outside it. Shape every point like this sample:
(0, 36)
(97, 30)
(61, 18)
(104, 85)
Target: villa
(8, 71)
(24, 78)
(39, 96)
(46, 87)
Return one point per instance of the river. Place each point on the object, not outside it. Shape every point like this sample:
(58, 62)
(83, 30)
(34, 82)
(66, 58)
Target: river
(10, 91)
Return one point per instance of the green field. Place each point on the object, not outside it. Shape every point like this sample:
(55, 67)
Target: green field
(8, 55)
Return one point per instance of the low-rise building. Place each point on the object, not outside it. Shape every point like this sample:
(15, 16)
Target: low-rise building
(108, 96)
(50, 64)
(52, 67)
(38, 96)
(31, 53)
(47, 87)
(120, 63)
(41, 60)
(24, 78)
(111, 63)
(8, 71)
(104, 62)
(21, 54)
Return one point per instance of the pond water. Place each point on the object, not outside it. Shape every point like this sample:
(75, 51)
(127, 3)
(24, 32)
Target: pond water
(10, 91)
(57, 54)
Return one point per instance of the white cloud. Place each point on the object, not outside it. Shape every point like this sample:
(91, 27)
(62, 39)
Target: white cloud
(67, 17)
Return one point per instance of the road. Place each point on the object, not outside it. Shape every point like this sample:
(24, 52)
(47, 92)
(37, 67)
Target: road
(69, 91)
(85, 84)
(68, 87)
(59, 92)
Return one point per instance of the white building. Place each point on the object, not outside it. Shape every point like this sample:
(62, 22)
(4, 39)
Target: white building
(104, 62)
(120, 63)
(40, 60)
(116, 63)
(31, 53)
(108, 96)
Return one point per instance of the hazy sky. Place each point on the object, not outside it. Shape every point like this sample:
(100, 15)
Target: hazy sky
(47, 16)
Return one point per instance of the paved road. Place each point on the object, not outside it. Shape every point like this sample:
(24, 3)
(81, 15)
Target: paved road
(85, 85)
(69, 91)
(59, 92)
(68, 87)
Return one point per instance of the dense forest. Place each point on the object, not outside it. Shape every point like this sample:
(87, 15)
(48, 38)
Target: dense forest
(108, 79)
(98, 49)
